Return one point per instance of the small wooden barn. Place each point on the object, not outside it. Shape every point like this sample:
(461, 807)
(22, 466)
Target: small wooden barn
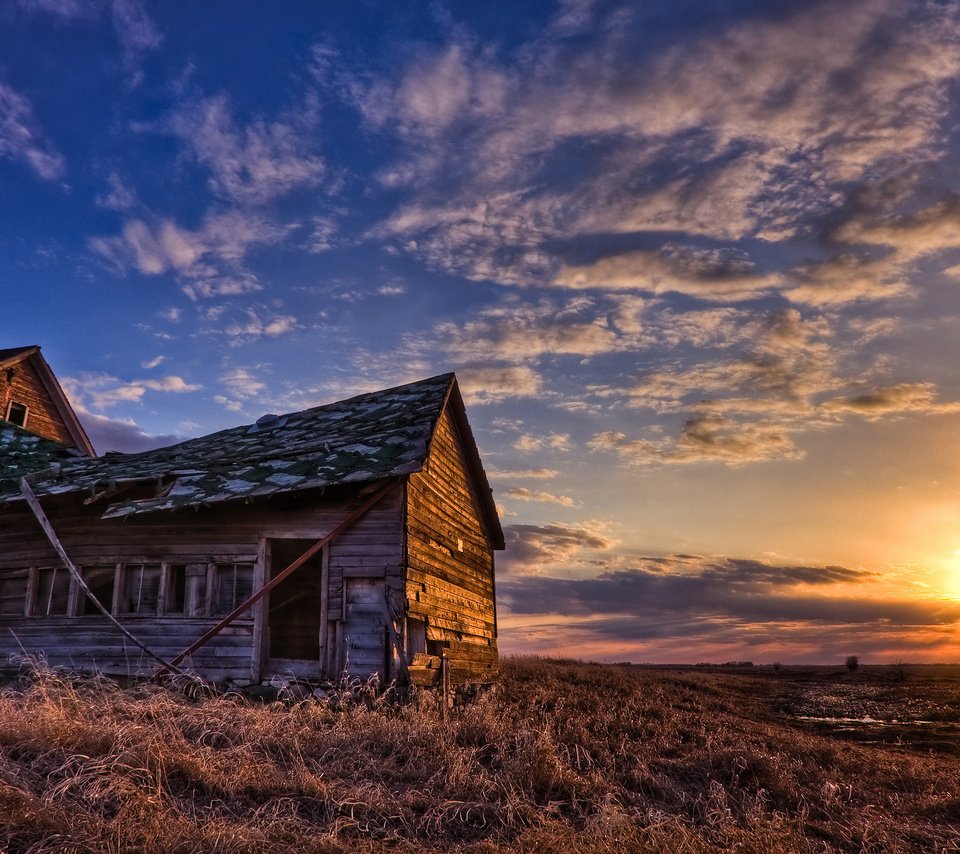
(356, 538)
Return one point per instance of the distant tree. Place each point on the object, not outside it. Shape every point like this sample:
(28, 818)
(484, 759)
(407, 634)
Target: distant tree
(776, 666)
(853, 662)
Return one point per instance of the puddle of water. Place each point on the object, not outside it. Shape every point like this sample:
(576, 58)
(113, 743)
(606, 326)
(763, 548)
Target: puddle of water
(867, 721)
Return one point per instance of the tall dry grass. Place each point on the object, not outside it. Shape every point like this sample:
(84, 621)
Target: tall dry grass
(564, 756)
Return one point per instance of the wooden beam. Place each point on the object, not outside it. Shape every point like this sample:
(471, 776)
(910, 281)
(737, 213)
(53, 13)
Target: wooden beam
(293, 567)
(395, 639)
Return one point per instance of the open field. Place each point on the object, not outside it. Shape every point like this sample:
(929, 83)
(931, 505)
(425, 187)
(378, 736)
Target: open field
(564, 756)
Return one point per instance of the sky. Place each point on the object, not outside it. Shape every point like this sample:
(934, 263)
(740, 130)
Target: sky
(696, 265)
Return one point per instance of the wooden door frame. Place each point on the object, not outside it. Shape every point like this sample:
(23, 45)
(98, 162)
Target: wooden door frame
(261, 610)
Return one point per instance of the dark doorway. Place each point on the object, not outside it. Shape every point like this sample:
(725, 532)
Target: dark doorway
(294, 622)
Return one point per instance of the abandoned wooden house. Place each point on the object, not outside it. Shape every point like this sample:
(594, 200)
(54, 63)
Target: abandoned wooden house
(31, 398)
(353, 538)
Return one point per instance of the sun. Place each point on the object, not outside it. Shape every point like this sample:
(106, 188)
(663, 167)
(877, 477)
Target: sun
(952, 575)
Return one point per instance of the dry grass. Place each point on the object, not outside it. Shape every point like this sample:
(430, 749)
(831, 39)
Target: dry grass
(562, 757)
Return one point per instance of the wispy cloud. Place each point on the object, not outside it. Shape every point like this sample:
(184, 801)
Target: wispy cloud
(256, 162)
(755, 130)
(207, 261)
(522, 493)
(103, 391)
(491, 383)
(135, 31)
(21, 138)
(118, 196)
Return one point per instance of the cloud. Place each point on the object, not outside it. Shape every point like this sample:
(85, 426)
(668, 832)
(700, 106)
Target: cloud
(780, 361)
(532, 549)
(722, 274)
(118, 196)
(520, 332)
(136, 32)
(207, 262)
(893, 400)
(21, 139)
(254, 163)
(121, 434)
(522, 474)
(648, 603)
(253, 325)
(134, 29)
(103, 391)
(847, 278)
(489, 384)
(241, 383)
(705, 439)
(65, 9)
(537, 495)
(155, 362)
(755, 127)
(922, 232)
(549, 441)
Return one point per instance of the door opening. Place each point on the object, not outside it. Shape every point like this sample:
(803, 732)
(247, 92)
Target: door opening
(294, 612)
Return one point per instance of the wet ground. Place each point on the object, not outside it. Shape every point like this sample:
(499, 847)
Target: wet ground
(921, 712)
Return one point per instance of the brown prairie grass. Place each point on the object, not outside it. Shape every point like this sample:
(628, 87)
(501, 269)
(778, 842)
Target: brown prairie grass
(562, 757)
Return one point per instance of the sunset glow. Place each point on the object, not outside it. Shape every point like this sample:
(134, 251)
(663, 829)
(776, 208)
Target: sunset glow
(696, 265)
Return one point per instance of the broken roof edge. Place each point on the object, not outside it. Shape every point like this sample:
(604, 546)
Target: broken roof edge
(12, 355)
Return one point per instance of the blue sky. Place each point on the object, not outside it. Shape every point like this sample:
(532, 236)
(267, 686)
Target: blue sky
(696, 264)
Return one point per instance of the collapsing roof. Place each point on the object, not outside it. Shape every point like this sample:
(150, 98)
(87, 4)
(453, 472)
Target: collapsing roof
(381, 434)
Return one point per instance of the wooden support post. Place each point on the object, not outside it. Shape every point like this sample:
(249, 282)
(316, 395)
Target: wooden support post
(401, 657)
(293, 567)
(444, 685)
(324, 608)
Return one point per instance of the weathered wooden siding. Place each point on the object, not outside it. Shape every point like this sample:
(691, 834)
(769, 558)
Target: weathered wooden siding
(91, 643)
(27, 387)
(449, 582)
(372, 548)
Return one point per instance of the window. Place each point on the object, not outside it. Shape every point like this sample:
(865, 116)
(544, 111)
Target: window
(175, 601)
(53, 592)
(17, 413)
(13, 593)
(234, 584)
(100, 580)
(140, 591)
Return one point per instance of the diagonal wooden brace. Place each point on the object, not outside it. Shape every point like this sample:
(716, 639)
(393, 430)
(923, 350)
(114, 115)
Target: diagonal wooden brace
(273, 582)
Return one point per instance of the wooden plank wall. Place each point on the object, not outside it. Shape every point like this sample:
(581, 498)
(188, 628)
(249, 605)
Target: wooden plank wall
(371, 548)
(450, 560)
(90, 643)
(43, 419)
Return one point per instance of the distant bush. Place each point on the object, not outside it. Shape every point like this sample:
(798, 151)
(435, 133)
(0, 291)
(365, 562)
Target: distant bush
(853, 662)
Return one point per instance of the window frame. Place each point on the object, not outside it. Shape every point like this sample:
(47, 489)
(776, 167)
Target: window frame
(9, 411)
(25, 574)
(33, 591)
(123, 595)
(215, 582)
